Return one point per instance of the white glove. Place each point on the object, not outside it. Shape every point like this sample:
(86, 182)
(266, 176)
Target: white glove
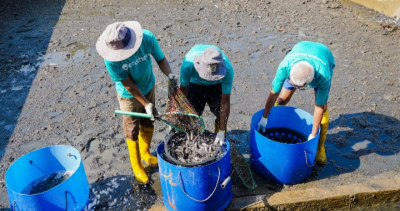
(220, 137)
(311, 136)
(261, 124)
(174, 77)
(151, 110)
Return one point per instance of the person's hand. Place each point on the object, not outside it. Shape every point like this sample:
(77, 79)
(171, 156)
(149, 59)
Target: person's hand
(261, 124)
(174, 77)
(311, 136)
(220, 137)
(151, 110)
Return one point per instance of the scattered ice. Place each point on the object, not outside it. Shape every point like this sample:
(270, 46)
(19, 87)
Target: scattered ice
(17, 88)
(26, 69)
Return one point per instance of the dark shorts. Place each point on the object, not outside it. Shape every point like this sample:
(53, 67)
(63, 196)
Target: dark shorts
(199, 95)
(290, 87)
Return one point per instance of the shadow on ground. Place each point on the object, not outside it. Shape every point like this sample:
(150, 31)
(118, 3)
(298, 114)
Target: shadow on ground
(366, 143)
(27, 27)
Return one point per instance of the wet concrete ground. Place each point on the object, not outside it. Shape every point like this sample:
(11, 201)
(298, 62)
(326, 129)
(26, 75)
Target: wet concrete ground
(55, 90)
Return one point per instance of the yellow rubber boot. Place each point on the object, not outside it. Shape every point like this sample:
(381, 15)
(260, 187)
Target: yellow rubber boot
(145, 136)
(136, 162)
(321, 156)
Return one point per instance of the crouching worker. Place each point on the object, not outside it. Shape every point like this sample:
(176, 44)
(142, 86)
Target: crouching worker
(206, 77)
(126, 49)
(307, 65)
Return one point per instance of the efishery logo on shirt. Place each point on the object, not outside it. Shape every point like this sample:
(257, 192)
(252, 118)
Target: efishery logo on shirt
(309, 55)
(136, 62)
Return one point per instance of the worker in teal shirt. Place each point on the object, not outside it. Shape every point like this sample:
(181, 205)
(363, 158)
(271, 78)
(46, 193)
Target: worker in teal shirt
(307, 65)
(206, 77)
(127, 50)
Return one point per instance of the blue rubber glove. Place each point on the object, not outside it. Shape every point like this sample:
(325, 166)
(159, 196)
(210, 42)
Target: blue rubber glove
(220, 137)
(262, 124)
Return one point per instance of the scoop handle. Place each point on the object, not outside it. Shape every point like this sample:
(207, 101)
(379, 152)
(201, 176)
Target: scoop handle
(143, 115)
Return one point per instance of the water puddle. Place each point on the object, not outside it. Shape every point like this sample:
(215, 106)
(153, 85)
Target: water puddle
(46, 182)
(62, 59)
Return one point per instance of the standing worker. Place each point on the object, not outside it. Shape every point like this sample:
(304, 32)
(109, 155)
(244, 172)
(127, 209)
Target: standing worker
(206, 76)
(307, 65)
(126, 49)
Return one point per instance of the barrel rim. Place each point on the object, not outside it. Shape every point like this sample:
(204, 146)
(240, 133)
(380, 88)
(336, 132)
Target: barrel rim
(162, 143)
(253, 127)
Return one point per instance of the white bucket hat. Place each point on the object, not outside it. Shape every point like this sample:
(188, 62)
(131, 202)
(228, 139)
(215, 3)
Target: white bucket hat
(120, 40)
(203, 63)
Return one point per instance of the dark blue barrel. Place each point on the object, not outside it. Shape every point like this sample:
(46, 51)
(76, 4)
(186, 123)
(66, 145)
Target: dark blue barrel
(281, 162)
(71, 194)
(195, 188)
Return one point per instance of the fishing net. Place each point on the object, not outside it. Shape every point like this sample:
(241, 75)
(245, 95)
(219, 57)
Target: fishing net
(179, 113)
(241, 167)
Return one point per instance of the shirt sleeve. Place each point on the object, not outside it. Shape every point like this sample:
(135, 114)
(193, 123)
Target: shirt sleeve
(227, 81)
(185, 74)
(156, 51)
(281, 75)
(322, 93)
(115, 70)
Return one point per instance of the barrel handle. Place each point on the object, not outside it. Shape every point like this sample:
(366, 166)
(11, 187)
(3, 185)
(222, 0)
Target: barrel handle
(215, 188)
(14, 205)
(225, 182)
(66, 199)
(315, 161)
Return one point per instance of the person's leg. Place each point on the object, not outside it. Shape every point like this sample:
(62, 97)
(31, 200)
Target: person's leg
(131, 131)
(214, 95)
(146, 129)
(196, 97)
(286, 93)
(321, 155)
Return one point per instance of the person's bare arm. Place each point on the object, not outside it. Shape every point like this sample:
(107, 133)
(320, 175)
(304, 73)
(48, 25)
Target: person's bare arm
(318, 112)
(225, 110)
(185, 90)
(270, 103)
(164, 66)
(134, 90)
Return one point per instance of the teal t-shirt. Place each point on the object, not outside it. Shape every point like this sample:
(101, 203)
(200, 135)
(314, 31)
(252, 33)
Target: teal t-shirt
(320, 57)
(189, 74)
(138, 67)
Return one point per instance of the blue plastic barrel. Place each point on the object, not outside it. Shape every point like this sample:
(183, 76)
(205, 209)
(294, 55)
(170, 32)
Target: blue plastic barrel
(281, 162)
(195, 188)
(71, 194)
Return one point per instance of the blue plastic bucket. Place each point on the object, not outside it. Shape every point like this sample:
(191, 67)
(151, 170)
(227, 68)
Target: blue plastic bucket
(195, 188)
(281, 162)
(71, 194)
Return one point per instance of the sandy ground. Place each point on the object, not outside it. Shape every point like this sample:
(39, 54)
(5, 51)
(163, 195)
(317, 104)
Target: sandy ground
(55, 89)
